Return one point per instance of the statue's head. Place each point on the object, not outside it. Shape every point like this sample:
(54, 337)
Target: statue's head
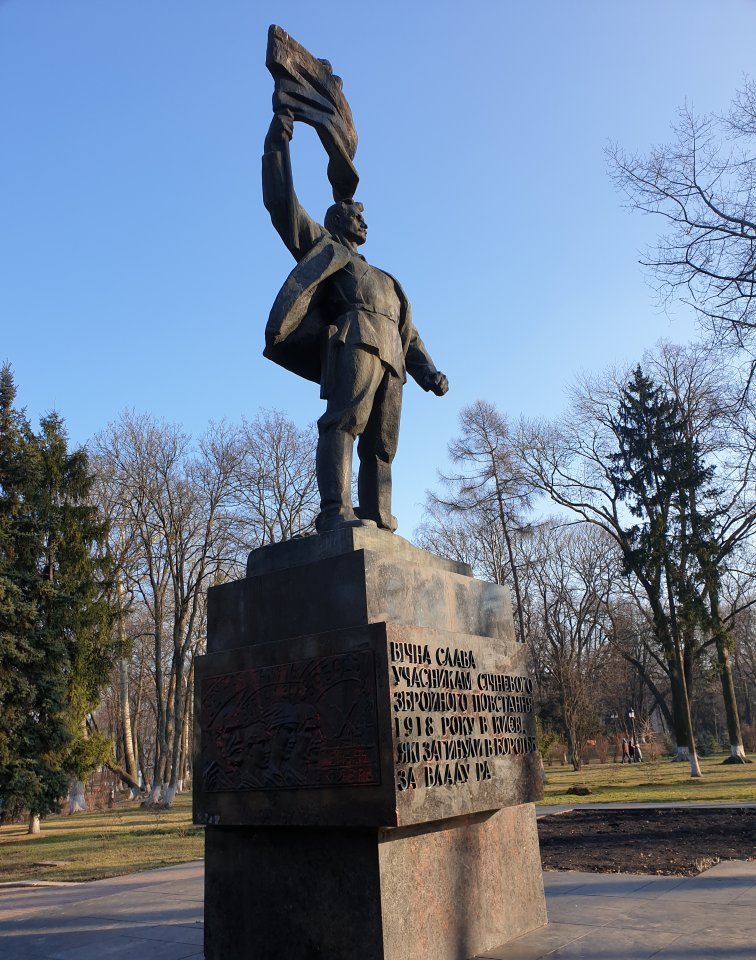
(344, 218)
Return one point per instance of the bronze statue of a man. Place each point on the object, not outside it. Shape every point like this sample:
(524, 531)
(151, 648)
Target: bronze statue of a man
(347, 325)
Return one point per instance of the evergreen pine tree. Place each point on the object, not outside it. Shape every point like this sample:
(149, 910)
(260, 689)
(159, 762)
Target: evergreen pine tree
(659, 474)
(57, 618)
(19, 546)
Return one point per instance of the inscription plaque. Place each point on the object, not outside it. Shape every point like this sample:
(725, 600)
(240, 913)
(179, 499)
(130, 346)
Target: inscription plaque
(379, 725)
(453, 718)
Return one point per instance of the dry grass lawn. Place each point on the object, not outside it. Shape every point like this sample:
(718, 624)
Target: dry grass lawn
(653, 781)
(90, 846)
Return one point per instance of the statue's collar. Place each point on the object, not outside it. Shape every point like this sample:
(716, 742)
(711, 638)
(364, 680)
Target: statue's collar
(352, 252)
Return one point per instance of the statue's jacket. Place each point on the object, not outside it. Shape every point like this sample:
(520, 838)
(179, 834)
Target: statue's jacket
(306, 326)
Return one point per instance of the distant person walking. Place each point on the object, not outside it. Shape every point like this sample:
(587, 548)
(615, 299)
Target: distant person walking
(625, 754)
(637, 753)
(631, 752)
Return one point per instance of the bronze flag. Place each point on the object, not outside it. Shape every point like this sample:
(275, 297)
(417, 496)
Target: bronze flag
(308, 89)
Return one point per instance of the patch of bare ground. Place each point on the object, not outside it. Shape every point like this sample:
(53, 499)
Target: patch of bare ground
(679, 842)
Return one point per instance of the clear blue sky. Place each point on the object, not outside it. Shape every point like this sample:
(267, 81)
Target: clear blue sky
(138, 265)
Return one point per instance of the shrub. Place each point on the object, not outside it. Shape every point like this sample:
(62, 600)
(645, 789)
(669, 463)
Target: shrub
(749, 737)
(602, 748)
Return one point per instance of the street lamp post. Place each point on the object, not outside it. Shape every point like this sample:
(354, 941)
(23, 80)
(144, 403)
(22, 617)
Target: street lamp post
(615, 735)
(631, 715)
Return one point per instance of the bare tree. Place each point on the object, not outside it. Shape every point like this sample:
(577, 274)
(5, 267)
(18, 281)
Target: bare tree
(275, 486)
(483, 510)
(583, 463)
(186, 513)
(744, 663)
(722, 426)
(631, 634)
(122, 539)
(702, 183)
(706, 525)
(177, 497)
(570, 583)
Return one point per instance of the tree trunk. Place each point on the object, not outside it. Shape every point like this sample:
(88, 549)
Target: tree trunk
(142, 765)
(510, 553)
(681, 713)
(737, 753)
(33, 823)
(574, 752)
(128, 741)
(695, 769)
(161, 699)
(722, 640)
(574, 746)
(163, 772)
(515, 582)
(131, 782)
(186, 739)
(178, 710)
(123, 679)
(136, 713)
(678, 715)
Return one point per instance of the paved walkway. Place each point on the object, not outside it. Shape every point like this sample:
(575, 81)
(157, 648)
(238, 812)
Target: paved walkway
(605, 916)
(143, 915)
(592, 916)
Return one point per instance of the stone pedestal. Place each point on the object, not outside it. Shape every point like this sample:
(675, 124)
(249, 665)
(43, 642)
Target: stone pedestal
(365, 758)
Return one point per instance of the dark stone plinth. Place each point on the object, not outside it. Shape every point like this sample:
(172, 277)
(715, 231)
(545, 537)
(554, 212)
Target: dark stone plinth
(335, 543)
(328, 586)
(365, 758)
(444, 891)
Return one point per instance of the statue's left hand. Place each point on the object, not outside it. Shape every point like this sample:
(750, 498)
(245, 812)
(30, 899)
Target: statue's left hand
(281, 131)
(437, 383)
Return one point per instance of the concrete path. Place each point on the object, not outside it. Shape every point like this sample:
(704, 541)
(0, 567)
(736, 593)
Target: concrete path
(592, 916)
(604, 916)
(153, 914)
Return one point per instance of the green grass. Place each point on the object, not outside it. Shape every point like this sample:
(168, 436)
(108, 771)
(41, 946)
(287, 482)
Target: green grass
(653, 781)
(123, 840)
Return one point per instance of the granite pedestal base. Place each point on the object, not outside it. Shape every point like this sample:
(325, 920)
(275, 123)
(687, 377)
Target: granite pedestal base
(448, 890)
(365, 758)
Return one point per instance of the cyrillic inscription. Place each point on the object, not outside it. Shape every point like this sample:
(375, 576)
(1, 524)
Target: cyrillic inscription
(451, 720)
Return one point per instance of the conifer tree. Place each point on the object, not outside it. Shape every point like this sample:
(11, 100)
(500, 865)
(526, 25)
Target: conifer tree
(56, 621)
(633, 458)
(659, 475)
(19, 543)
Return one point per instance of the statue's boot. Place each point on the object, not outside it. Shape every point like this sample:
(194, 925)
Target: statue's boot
(374, 487)
(333, 467)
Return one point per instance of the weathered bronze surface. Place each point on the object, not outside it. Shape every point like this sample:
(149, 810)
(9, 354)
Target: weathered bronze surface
(307, 89)
(337, 320)
(306, 723)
